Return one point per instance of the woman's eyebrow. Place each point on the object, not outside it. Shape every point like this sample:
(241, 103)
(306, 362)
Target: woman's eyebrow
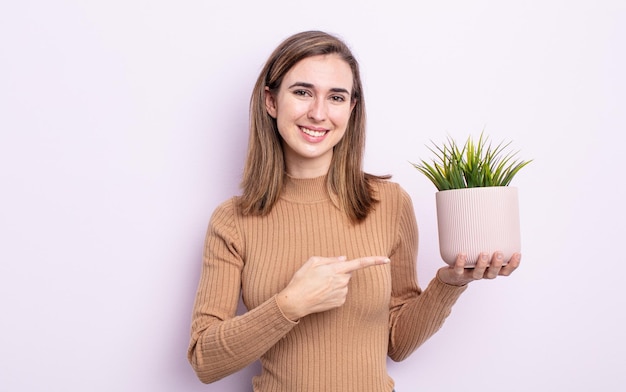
(311, 86)
(302, 84)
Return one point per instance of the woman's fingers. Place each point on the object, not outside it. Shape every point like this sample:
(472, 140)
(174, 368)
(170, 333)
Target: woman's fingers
(362, 262)
(512, 265)
(481, 266)
(486, 267)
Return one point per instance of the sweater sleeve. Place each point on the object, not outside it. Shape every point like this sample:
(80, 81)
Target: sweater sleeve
(415, 315)
(221, 342)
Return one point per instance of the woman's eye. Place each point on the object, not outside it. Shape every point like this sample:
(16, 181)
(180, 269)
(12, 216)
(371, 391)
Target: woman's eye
(301, 93)
(337, 98)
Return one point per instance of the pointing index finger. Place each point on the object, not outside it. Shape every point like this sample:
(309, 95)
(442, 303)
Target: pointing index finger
(360, 263)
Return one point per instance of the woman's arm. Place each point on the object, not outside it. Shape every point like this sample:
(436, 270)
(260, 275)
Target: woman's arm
(221, 343)
(415, 315)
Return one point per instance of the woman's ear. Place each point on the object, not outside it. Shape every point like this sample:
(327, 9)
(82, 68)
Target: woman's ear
(270, 102)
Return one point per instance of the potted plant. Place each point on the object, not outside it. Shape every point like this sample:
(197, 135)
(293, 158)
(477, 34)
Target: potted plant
(477, 210)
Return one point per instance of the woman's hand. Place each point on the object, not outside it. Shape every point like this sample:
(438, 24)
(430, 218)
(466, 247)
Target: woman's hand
(458, 275)
(321, 284)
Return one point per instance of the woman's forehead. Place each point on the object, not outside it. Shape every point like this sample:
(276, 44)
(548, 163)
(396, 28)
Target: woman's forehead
(324, 71)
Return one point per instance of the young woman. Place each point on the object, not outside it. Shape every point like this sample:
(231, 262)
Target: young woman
(323, 254)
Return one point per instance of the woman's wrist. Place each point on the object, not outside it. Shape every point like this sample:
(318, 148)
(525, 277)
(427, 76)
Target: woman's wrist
(443, 277)
(285, 304)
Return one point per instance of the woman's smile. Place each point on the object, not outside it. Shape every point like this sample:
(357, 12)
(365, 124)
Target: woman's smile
(315, 133)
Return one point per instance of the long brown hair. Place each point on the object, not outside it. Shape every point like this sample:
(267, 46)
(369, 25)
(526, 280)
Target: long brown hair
(265, 167)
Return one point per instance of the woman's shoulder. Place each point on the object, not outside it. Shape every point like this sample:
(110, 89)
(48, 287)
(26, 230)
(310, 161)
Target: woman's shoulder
(392, 196)
(386, 188)
(226, 210)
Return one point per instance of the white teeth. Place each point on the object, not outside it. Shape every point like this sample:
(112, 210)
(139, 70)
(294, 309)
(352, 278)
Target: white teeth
(313, 133)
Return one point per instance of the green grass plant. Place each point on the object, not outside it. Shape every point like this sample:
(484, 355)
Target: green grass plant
(471, 165)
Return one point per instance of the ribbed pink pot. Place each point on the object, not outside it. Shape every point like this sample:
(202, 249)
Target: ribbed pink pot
(475, 220)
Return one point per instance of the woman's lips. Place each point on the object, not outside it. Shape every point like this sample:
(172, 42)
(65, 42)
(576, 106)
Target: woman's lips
(313, 132)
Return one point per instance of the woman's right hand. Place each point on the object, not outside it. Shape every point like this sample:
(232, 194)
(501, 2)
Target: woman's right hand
(321, 284)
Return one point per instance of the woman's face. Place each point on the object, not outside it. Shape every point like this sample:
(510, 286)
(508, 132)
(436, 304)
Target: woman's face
(312, 108)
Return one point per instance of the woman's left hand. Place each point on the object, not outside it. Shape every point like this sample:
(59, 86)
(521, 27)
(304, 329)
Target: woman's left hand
(458, 275)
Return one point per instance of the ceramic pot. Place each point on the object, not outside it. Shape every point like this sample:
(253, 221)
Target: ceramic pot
(475, 220)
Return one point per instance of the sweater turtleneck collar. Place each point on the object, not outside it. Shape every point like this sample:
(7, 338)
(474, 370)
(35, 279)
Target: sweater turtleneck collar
(305, 190)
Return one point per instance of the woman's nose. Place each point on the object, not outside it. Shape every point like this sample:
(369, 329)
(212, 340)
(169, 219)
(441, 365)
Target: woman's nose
(317, 110)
